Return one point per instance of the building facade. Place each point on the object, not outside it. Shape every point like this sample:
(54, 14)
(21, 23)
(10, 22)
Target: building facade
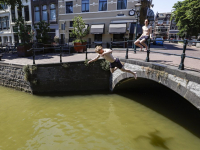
(173, 32)
(108, 20)
(7, 22)
(46, 10)
(162, 25)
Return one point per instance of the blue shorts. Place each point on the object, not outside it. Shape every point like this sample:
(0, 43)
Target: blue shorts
(144, 37)
(116, 63)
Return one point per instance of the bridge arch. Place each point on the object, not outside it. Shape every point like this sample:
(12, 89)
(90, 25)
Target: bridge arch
(178, 81)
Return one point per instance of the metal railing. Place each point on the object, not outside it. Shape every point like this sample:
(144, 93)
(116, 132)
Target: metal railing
(183, 55)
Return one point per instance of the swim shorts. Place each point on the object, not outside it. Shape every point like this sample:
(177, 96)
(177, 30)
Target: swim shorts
(144, 37)
(116, 63)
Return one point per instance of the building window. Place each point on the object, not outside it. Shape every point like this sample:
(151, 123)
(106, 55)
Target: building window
(69, 7)
(44, 12)
(71, 23)
(7, 23)
(85, 5)
(0, 24)
(98, 37)
(121, 4)
(37, 14)
(26, 13)
(53, 12)
(19, 12)
(13, 14)
(4, 22)
(102, 5)
(160, 21)
(4, 6)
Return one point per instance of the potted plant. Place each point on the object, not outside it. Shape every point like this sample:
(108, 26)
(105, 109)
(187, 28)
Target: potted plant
(79, 32)
(23, 33)
(42, 29)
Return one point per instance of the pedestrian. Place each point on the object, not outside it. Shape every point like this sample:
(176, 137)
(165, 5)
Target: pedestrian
(147, 30)
(114, 62)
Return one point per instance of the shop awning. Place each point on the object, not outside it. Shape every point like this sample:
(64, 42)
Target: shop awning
(97, 29)
(117, 28)
(173, 31)
(132, 28)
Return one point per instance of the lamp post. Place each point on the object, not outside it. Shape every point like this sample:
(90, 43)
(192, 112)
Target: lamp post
(137, 10)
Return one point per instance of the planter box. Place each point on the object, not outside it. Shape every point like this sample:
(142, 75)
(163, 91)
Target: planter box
(79, 48)
(22, 51)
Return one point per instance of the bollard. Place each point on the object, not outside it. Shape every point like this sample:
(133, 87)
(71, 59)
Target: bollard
(86, 52)
(148, 51)
(60, 54)
(181, 66)
(33, 56)
(126, 57)
(111, 45)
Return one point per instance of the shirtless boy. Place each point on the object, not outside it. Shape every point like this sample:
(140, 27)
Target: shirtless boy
(145, 35)
(114, 62)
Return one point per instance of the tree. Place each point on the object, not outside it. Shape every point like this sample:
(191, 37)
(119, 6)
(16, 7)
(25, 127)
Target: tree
(187, 16)
(23, 30)
(12, 3)
(42, 29)
(79, 30)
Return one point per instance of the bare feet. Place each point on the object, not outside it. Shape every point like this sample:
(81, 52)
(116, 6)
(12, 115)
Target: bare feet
(135, 75)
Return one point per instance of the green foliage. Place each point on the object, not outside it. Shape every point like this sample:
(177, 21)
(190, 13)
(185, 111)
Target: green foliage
(79, 30)
(187, 16)
(105, 65)
(86, 62)
(12, 3)
(23, 30)
(42, 29)
(26, 70)
(66, 65)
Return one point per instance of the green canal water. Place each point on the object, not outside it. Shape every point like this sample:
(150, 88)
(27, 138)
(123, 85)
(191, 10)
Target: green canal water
(131, 120)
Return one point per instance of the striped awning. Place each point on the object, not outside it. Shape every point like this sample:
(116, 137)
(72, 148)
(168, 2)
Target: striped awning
(97, 29)
(117, 28)
(173, 31)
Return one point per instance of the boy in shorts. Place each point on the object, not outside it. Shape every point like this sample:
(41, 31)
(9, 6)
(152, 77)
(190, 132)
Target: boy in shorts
(114, 62)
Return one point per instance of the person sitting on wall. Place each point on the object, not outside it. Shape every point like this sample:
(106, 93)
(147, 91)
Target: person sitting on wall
(147, 30)
(114, 62)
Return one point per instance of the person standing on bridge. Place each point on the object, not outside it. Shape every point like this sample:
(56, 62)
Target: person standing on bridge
(147, 29)
(114, 62)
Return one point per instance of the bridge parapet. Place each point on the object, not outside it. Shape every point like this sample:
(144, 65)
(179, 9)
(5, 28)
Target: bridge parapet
(184, 82)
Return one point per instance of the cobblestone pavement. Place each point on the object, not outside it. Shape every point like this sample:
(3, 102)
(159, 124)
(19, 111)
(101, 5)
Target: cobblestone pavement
(193, 64)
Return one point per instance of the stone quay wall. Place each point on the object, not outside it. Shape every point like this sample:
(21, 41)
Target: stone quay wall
(68, 77)
(53, 78)
(13, 76)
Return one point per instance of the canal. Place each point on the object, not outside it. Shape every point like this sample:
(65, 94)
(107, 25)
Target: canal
(129, 119)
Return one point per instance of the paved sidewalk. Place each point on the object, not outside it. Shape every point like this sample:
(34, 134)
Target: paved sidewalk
(190, 63)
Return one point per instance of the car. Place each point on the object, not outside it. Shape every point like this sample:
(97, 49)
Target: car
(158, 41)
(193, 44)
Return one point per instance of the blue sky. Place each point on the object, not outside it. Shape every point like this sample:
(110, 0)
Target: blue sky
(162, 6)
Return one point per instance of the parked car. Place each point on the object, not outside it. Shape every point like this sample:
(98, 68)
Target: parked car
(193, 44)
(158, 41)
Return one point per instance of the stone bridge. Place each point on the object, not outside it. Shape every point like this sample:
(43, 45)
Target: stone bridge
(184, 82)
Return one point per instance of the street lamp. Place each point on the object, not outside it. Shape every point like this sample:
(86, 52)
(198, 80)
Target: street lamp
(137, 11)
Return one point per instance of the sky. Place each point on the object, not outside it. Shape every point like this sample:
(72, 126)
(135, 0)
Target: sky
(162, 6)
